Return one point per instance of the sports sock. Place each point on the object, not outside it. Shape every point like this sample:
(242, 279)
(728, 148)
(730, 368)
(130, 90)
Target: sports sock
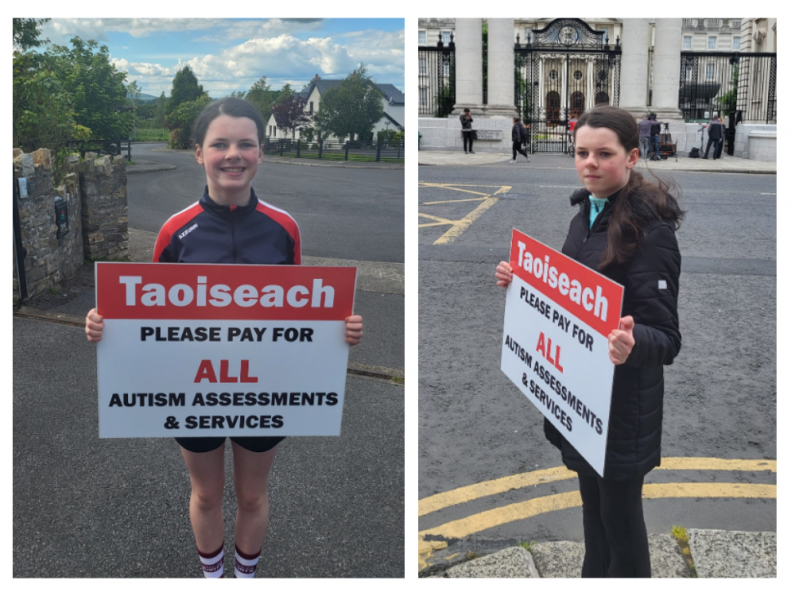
(213, 563)
(245, 565)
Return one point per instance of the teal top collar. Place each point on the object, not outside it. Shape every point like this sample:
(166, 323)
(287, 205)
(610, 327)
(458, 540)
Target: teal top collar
(597, 205)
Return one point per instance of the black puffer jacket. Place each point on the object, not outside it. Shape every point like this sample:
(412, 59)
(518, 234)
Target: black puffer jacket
(651, 289)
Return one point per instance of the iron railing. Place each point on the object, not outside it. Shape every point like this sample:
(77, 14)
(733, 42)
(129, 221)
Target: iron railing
(348, 151)
(720, 83)
(437, 79)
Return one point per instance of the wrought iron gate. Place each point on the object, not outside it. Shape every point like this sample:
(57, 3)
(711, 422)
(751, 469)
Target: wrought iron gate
(437, 79)
(561, 71)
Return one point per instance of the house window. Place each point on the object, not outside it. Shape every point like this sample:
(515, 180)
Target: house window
(688, 42)
(422, 38)
(423, 67)
(735, 43)
(311, 107)
(710, 74)
(445, 37)
(712, 43)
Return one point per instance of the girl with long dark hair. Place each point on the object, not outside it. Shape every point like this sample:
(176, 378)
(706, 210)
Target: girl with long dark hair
(625, 229)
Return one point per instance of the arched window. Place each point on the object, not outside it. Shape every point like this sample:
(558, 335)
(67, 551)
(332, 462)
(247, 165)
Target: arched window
(602, 97)
(553, 106)
(576, 104)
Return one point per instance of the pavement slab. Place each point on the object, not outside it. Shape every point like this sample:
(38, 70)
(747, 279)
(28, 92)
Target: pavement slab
(719, 553)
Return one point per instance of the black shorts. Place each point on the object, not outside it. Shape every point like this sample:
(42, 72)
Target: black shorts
(205, 444)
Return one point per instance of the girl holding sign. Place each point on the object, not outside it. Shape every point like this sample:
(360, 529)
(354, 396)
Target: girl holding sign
(229, 139)
(625, 229)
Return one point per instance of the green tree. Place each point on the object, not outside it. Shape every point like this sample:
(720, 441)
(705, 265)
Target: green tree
(238, 94)
(290, 114)
(261, 96)
(26, 34)
(99, 96)
(160, 111)
(185, 87)
(186, 102)
(351, 108)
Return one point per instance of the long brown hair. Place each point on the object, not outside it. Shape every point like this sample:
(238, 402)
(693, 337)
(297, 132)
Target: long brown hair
(640, 201)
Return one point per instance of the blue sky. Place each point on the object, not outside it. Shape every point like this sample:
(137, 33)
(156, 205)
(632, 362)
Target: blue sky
(231, 54)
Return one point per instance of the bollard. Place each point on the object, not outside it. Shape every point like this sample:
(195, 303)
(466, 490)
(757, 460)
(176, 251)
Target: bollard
(346, 151)
(378, 151)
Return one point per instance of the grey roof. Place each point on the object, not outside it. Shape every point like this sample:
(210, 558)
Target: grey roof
(393, 95)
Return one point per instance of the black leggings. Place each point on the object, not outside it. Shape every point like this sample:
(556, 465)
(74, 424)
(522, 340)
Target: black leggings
(616, 544)
(518, 147)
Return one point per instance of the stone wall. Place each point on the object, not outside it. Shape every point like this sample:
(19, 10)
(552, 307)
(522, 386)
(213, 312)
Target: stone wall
(755, 141)
(49, 259)
(103, 193)
(96, 197)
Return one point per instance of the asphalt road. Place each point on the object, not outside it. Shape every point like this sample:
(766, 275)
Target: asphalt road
(475, 426)
(343, 213)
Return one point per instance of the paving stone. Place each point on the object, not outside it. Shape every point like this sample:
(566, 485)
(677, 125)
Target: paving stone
(721, 553)
(510, 562)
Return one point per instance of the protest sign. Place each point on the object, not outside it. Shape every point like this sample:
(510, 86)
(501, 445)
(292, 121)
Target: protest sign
(222, 350)
(558, 314)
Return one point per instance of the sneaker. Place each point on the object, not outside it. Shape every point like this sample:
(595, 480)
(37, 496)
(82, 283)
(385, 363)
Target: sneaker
(527, 158)
(471, 151)
(513, 161)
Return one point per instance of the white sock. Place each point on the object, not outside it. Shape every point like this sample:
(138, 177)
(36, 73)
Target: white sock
(245, 565)
(213, 563)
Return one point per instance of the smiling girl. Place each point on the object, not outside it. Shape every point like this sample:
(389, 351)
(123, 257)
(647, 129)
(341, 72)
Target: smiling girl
(625, 229)
(229, 224)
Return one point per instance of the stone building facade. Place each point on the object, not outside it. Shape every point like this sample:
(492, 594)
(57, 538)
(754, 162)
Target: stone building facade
(650, 69)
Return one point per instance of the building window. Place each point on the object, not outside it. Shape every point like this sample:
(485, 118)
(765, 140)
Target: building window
(422, 38)
(734, 23)
(423, 67)
(577, 75)
(735, 43)
(713, 23)
(445, 37)
(311, 107)
(553, 74)
(712, 43)
(710, 74)
(423, 97)
(688, 43)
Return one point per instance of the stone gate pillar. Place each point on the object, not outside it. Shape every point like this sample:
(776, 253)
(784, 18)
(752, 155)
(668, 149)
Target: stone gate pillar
(469, 66)
(634, 66)
(667, 61)
(501, 69)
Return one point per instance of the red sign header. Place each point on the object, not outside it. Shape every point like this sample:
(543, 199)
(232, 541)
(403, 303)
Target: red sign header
(224, 292)
(587, 294)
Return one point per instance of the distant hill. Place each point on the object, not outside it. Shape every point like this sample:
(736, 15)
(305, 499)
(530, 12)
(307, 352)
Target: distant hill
(145, 97)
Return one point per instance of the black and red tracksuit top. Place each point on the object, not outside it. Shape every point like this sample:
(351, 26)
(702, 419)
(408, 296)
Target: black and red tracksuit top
(205, 232)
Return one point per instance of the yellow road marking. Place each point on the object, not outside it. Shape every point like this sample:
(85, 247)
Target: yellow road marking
(501, 485)
(502, 515)
(457, 227)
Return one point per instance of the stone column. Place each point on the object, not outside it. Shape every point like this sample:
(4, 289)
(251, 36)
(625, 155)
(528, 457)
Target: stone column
(667, 61)
(501, 70)
(469, 66)
(634, 66)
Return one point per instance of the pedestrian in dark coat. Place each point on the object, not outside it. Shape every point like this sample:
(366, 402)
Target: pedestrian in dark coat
(715, 134)
(625, 229)
(466, 129)
(518, 133)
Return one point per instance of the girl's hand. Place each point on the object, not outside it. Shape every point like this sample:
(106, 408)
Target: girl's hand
(620, 341)
(94, 326)
(504, 274)
(353, 329)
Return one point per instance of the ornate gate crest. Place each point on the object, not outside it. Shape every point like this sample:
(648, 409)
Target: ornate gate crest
(562, 70)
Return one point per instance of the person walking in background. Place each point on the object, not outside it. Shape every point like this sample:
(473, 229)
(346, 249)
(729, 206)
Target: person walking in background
(466, 129)
(722, 137)
(624, 228)
(715, 134)
(654, 139)
(644, 132)
(518, 137)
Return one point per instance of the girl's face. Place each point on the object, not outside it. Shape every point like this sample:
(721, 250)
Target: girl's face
(230, 155)
(603, 164)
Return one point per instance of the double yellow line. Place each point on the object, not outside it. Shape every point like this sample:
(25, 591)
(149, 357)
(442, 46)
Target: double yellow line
(478, 522)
